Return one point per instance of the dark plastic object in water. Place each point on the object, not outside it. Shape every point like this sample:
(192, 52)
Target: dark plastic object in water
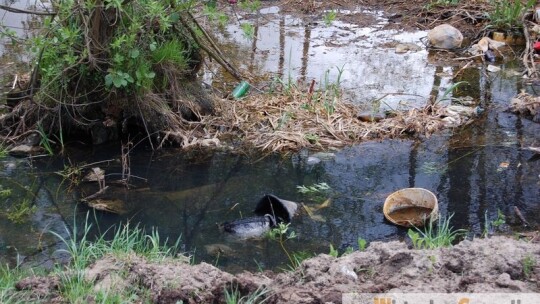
(270, 211)
(489, 56)
(282, 210)
(251, 226)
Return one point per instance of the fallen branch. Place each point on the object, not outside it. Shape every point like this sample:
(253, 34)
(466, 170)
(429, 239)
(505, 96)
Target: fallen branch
(23, 11)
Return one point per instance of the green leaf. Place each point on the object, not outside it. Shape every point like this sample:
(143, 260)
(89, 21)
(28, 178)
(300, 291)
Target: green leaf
(134, 53)
(108, 80)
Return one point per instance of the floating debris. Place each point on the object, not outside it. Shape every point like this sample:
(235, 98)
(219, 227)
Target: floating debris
(115, 206)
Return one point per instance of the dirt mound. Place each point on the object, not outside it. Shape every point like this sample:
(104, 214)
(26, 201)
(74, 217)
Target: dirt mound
(497, 264)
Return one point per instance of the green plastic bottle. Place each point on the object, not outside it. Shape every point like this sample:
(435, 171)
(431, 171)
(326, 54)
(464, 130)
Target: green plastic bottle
(241, 89)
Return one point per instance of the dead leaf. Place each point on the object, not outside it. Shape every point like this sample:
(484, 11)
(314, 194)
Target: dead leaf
(95, 175)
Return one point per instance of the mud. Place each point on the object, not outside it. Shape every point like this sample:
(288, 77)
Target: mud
(482, 265)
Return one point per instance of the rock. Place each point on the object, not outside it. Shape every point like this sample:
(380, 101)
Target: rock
(24, 150)
(370, 116)
(324, 155)
(445, 36)
(405, 47)
(493, 69)
(313, 160)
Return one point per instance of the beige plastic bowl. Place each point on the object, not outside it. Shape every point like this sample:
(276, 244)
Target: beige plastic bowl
(411, 207)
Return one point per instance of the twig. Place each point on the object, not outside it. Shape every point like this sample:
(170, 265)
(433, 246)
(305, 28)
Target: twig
(521, 217)
(23, 11)
(527, 54)
(100, 192)
(210, 53)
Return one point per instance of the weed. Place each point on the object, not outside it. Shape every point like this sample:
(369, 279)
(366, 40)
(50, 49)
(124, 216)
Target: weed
(528, 263)
(281, 234)
(448, 91)
(370, 271)
(362, 244)
(4, 193)
(430, 237)
(213, 14)
(501, 219)
(250, 5)
(233, 296)
(315, 188)
(248, 30)
(8, 278)
(20, 212)
(3, 151)
(348, 250)
(489, 226)
(329, 17)
(283, 120)
(507, 14)
(312, 138)
(442, 3)
(45, 142)
(333, 252)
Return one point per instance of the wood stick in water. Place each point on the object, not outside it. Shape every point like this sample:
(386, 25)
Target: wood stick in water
(521, 217)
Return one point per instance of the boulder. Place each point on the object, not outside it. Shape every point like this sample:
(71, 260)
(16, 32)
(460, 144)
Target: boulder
(445, 36)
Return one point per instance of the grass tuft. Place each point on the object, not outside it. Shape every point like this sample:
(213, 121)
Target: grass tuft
(432, 237)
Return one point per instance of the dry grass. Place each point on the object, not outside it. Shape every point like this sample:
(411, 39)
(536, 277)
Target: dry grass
(290, 122)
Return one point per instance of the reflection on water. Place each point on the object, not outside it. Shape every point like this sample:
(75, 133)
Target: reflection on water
(289, 47)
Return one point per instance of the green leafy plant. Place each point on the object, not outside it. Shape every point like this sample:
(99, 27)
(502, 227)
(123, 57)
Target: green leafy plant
(3, 151)
(501, 219)
(528, 263)
(250, 5)
(362, 244)
(489, 226)
(435, 237)
(329, 17)
(248, 30)
(333, 252)
(507, 14)
(281, 234)
(20, 212)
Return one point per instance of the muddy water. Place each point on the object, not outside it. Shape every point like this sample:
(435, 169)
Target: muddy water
(474, 171)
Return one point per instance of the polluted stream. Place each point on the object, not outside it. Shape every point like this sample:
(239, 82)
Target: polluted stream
(476, 172)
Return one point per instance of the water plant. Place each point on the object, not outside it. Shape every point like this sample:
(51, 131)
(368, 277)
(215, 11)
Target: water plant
(20, 212)
(448, 91)
(315, 188)
(431, 237)
(45, 142)
(281, 234)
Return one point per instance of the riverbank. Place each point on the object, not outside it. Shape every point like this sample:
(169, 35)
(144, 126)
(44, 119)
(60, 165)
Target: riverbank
(496, 264)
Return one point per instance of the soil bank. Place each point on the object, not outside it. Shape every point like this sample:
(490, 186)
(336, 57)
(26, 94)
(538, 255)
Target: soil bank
(496, 264)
